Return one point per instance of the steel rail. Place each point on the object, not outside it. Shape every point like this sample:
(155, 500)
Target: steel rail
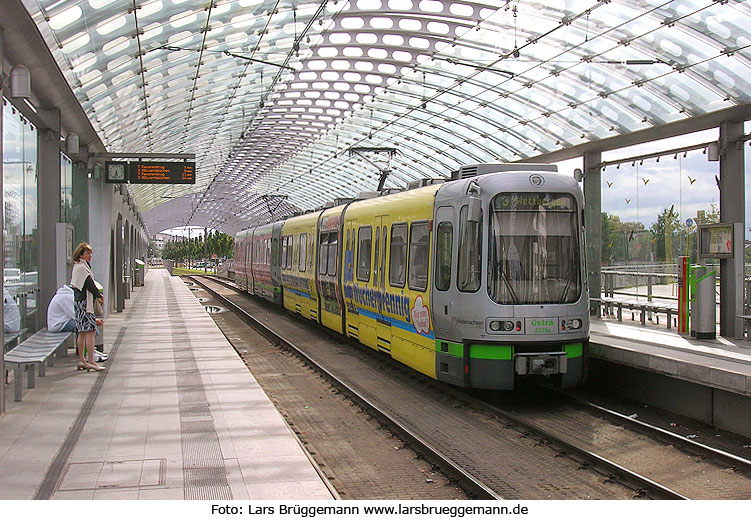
(723, 457)
(639, 483)
(633, 480)
(463, 478)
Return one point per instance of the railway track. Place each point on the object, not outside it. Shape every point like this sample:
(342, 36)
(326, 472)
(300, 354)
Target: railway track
(694, 447)
(467, 470)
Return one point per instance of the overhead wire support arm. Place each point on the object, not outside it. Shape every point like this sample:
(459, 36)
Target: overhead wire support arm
(383, 172)
(268, 199)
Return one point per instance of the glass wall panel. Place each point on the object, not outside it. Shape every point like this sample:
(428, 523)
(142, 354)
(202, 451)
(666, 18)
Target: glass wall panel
(79, 216)
(20, 231)
(66, 188)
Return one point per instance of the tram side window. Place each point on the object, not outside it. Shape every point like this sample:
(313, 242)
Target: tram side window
(296, 253)
(444, 243)
(418, 256)
(324, 254)
(303, 252)
(311, 250)
(398, 259)
(470, 254)
(284, 252)
(364, 238)
(333, 252)
(290, 251)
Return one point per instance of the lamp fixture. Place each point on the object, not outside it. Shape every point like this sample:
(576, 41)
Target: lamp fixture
(20, 82)
(72, 143)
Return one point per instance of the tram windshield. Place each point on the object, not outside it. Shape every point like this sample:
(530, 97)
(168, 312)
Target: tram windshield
(534, 249)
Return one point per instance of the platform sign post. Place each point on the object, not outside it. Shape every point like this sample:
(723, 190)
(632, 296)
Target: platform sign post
(683, 294)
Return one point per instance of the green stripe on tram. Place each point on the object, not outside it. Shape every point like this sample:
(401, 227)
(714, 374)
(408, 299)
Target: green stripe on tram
(496, 352)
(487, 352)
(574, 350)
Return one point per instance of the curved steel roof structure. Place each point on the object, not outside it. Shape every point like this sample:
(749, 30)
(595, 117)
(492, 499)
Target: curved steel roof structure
(271, 94)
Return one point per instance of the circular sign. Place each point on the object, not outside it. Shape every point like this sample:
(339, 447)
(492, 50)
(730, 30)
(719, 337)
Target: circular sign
(536, 180)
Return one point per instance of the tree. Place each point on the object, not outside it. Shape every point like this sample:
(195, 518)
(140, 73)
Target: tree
(664, 232)
(614, 240)
(215, 243)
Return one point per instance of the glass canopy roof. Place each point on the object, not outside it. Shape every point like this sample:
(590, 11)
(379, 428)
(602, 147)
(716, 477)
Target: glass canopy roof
(271, 95)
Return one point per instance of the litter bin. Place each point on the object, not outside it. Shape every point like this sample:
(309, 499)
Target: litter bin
(703, 308)
(140, 272)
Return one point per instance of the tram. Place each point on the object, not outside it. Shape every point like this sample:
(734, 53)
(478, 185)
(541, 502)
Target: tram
(477, 280)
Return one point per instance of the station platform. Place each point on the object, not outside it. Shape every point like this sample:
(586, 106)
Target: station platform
(705, 380)
(175, 415)
(720, 363)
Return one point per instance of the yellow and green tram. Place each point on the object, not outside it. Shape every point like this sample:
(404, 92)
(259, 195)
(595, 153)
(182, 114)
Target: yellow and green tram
(477, 281)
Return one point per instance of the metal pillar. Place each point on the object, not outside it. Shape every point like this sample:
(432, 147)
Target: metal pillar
(119, 286)
(593, 224)
(732, 210)
(48, 193)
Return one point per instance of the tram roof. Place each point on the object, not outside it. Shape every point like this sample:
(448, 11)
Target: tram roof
(271, 95)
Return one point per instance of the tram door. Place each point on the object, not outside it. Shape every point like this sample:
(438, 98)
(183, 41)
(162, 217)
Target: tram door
(443, 287)
(383, 322)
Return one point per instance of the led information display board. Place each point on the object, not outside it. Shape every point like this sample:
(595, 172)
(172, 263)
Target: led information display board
(150, 172)
(162, 172)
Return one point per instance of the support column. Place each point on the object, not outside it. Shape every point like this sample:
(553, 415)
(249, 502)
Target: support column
(119, 287)
(48, 191)
(593, 224)
(732, 210)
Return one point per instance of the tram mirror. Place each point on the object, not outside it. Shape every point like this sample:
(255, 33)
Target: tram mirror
(578, 175)
(474, 213)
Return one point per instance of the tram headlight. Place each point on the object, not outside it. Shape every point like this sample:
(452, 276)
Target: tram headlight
(571, 323)
(501, 325)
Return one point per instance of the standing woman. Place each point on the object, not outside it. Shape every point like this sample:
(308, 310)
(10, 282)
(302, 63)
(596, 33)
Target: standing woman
(84, 294)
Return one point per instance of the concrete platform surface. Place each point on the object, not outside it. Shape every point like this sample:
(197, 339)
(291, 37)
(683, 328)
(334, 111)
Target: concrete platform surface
(176, 415)
(720, 363)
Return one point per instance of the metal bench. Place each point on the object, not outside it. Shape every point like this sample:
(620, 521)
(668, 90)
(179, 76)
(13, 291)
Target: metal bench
(645, 308)
(36, 350)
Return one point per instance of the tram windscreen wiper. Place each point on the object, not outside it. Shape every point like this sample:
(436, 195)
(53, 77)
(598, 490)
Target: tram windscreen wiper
(569, 280)
(501, 274)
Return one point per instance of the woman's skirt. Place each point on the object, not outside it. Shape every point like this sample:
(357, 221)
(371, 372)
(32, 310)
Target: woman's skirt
(84, 321)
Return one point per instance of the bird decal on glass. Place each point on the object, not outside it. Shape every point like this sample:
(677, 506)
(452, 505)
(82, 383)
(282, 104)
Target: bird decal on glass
(717, 179)
(610, 184)
(628, 201)
(645, 180)
(692, 180)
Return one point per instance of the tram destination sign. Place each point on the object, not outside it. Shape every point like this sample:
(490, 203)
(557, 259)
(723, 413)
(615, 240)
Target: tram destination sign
(162, 172)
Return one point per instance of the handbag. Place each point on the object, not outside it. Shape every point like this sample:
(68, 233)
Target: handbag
(99, 307)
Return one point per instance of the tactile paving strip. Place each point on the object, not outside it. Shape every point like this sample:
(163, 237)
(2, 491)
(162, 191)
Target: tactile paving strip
(204, 474)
